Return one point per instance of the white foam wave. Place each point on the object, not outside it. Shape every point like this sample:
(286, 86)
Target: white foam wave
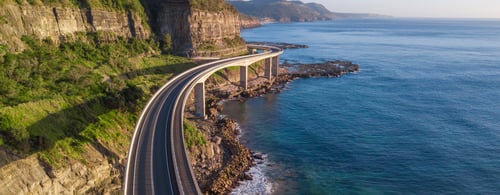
(260, 184)
(240, 131)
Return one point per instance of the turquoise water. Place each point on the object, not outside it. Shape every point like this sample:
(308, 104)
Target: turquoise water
(421, 117)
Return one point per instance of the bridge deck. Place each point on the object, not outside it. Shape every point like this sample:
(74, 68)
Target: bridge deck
(157, 161)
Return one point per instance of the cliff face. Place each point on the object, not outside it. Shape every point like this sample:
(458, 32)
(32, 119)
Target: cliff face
(198, 32)
(249, 21)
(100, 175)
(59, 23)
(193, 31)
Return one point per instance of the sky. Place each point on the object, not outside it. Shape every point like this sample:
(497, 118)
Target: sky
(418, 8)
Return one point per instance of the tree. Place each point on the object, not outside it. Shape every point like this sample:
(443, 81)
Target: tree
(167, 43)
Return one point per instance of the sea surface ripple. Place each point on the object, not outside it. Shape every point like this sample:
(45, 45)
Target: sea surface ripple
(421, 117)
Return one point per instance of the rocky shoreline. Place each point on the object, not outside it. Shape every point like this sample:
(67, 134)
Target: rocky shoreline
(220, 166)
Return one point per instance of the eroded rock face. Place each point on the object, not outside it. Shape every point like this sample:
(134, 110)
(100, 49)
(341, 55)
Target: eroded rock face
(59, 23)
(223, 161)
(29, 175)
(249, 22)
(196, 32)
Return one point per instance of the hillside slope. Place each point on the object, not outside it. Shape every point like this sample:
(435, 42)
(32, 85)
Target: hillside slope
(74, 76)
(284, 11)
(292, 11)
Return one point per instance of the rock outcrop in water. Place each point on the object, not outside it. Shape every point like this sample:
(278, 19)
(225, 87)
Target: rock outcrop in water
(326, 69)
(223, 161)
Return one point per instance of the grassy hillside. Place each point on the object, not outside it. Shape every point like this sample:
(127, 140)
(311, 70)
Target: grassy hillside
(56, 100)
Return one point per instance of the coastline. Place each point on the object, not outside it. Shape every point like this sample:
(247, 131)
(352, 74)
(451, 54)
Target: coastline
(224, 162)
(394, 91)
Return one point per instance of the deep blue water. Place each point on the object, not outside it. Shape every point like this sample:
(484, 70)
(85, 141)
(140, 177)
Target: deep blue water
(421, 117)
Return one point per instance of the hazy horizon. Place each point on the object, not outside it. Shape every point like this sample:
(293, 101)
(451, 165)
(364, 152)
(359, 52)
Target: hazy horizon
(422, 8)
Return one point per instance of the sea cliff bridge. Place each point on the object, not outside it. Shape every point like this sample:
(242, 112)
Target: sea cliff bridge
(157, 161)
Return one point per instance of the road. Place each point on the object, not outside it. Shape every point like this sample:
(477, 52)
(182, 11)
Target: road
(157, 161)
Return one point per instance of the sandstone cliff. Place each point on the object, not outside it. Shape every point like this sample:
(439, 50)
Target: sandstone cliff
(193, 31)
(100, 174)
(60, 23)
(247, 21)
(201, 32)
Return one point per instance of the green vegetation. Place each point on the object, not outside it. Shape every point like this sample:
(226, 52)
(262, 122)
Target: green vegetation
(167, 43)
(3, 52)
(234, 42)
(289, 11)
(193, 136)
(212, 5)
(114, 5)
(3, 20)
(211, 45)
(120, 5)
(46, 69)
(58, 100)
(132, 6)
(207, 46)
(221, 76)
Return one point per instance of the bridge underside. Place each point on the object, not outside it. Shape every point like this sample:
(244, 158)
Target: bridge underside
(271, 69)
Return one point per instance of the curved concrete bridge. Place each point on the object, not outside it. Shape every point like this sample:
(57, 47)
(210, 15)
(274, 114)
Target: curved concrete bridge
(157, 161)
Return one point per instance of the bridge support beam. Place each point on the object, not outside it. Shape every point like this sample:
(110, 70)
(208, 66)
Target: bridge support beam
(252, 51)
(267, 69)
(276, 64)
(244, 77)
(199, 99)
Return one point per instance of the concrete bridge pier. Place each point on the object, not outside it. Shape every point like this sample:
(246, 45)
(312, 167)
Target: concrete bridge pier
(267, 69)
(244, 77)
(276, 64)
(199, 99)
(253, 51)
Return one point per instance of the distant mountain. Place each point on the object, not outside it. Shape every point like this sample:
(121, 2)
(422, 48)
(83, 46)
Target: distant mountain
(284, 11)
(291, 11)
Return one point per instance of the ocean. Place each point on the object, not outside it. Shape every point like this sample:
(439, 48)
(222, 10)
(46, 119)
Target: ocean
(421, 117)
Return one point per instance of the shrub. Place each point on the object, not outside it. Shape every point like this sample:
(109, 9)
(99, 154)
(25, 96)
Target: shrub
(193, 136)
(212, 5)
(167, 43)
(3, 51)
(13, 131)
(85, 85)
